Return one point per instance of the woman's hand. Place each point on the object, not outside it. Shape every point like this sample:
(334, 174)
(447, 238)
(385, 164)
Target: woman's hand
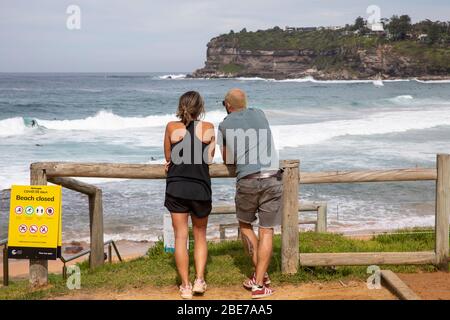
(166, 166)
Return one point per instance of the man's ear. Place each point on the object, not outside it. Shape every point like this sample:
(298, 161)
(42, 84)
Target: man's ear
(228, 107)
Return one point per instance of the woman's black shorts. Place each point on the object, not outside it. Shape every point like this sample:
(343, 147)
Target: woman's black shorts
(199, 208)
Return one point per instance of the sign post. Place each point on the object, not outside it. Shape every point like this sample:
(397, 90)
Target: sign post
(35, 223)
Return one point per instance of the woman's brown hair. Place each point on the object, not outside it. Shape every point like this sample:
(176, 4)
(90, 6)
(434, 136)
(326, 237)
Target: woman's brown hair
(190, 107)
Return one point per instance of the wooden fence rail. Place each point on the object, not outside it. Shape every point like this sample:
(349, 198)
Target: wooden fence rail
(304, 206)
(156, 171)
(58, 172)
(95, 215)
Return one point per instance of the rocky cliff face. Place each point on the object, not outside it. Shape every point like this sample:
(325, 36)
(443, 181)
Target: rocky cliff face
(343, 63)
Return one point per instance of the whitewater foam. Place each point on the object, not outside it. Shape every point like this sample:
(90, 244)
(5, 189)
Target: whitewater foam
(378, 83)
(433, 81)
(102, 121)
(172, 76)
(396, 80)
(13, 127)
(306, 79)
(378, 123)
(402, 99)
(253, 79)
(311, 133)
(312, 80)
(106, 120)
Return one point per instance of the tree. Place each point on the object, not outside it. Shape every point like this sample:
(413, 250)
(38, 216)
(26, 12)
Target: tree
(385, 22)
(422, 26)
(360, 24)
(399, 27)
(434, 33)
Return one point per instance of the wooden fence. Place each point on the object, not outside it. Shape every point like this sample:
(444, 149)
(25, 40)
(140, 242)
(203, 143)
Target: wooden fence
(320, 222)
(59, 173)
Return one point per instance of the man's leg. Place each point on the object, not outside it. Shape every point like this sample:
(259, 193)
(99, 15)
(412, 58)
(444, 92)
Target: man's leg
(250, 241)
(269, 217)
(264, 253)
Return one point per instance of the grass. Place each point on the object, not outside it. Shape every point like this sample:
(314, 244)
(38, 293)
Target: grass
(228, 265)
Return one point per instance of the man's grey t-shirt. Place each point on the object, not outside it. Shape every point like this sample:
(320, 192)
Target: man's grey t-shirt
(249, 141)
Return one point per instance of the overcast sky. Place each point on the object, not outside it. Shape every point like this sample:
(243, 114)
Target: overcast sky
(157, 35)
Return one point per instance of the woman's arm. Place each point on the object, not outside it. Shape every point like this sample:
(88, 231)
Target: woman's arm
(167, 150)
(209, 137)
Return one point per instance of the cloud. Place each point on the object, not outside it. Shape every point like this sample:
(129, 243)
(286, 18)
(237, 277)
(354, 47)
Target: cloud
(157, 35)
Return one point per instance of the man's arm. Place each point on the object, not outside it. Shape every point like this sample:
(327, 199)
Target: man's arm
(223, 146)
(224, 153)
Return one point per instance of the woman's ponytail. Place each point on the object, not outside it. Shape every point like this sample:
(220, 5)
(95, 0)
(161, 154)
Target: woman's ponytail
(190, 107)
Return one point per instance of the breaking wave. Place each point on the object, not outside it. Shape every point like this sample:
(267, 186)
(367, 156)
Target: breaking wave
(172, 76)
(101, 121)
(378, 123)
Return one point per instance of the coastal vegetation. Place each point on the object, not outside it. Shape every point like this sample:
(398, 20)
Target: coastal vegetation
(359, 34)
(228, 265)
(397, 48)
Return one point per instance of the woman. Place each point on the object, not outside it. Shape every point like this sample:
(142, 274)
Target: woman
(188, 147)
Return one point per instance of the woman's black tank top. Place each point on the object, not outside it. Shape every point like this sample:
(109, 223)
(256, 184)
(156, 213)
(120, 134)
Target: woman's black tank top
(188, 175)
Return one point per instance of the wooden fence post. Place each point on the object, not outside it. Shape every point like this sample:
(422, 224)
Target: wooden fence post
(222, 233)
(96, 229)
(289, 225)
(321, 226)
(38, 268)
(442, 211)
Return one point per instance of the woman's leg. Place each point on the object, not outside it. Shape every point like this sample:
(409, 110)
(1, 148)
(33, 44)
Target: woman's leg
(181, 231)
(200, 245)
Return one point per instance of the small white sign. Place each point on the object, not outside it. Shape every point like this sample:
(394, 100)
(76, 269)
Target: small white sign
(169, 237)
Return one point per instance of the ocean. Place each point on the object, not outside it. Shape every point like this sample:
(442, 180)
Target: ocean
(328, 125)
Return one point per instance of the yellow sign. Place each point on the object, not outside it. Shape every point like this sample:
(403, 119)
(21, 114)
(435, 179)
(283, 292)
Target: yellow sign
(35, 222)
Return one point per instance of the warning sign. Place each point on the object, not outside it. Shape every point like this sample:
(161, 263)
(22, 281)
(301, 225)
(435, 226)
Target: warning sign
(35, 222)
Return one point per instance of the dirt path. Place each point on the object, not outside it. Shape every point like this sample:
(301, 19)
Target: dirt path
(352, 290)
(428, 286)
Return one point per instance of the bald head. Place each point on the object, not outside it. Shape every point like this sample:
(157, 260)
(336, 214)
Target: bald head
(236, 99)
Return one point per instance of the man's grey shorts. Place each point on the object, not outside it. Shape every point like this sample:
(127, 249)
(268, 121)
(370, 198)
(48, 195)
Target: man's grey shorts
(262, 196)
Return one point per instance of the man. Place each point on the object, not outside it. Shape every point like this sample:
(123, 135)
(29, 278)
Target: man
(247, 142)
